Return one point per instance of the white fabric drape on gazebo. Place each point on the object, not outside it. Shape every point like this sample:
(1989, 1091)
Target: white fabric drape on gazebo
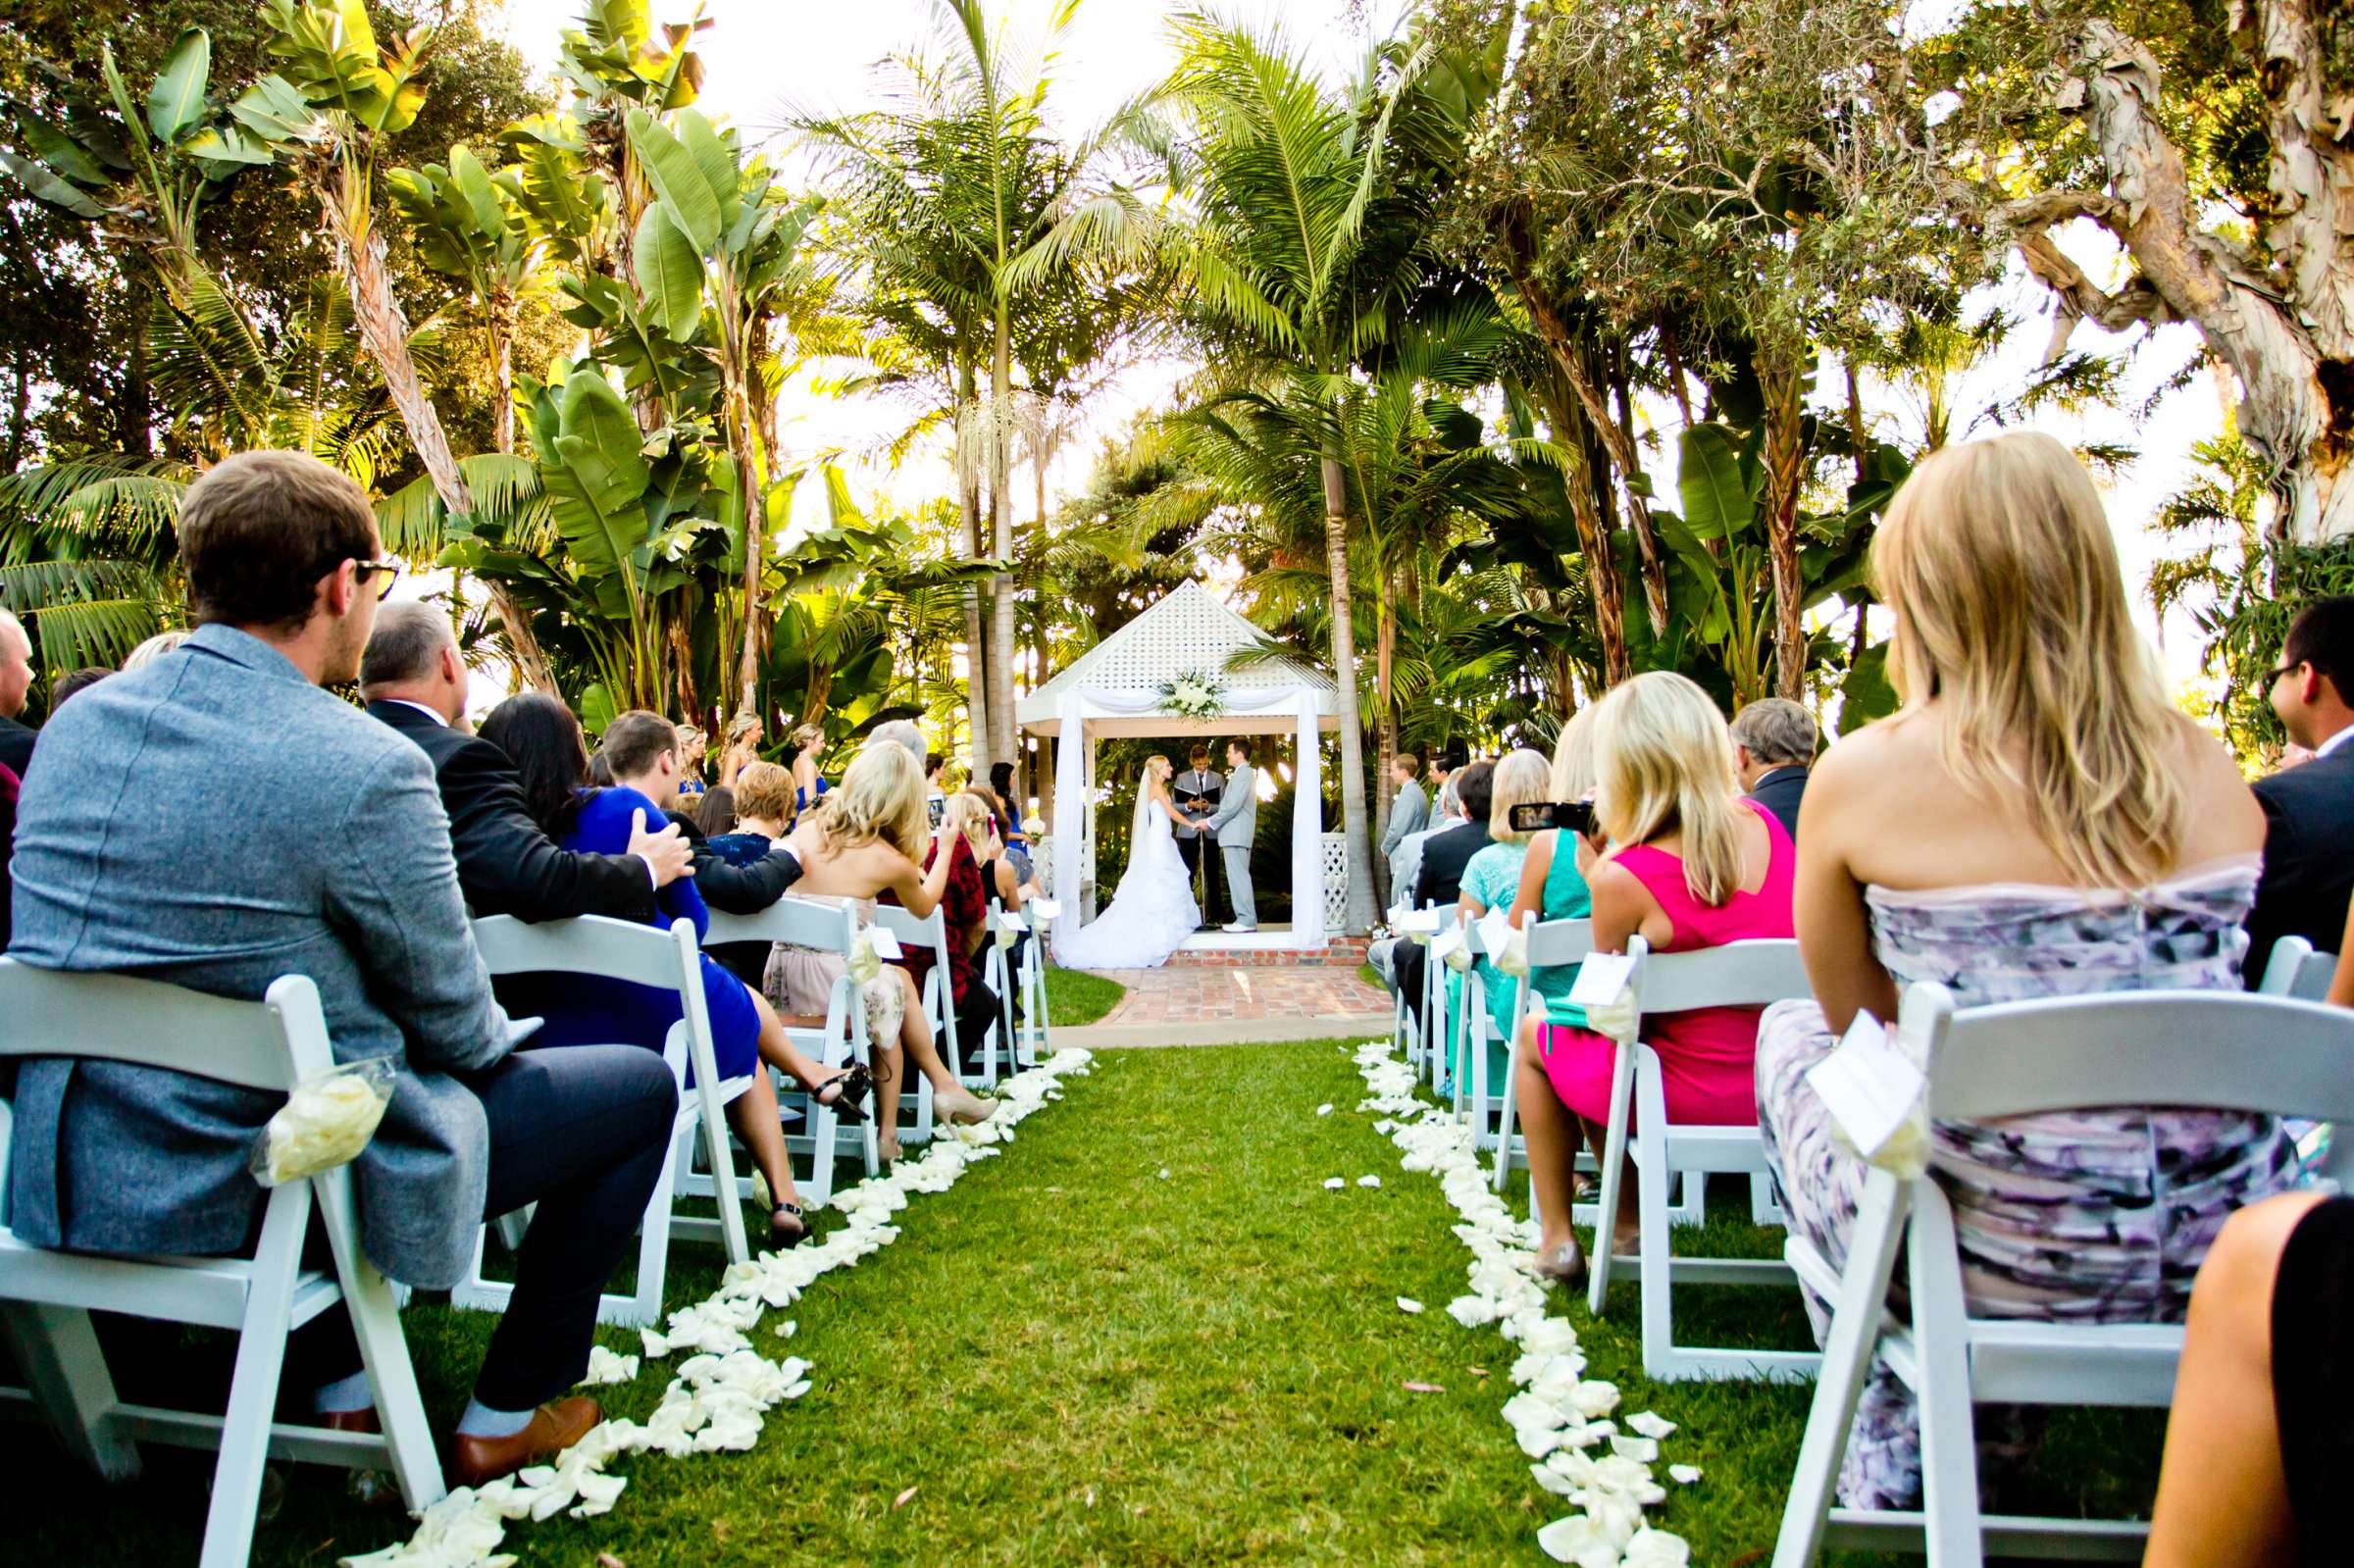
(1072, 779)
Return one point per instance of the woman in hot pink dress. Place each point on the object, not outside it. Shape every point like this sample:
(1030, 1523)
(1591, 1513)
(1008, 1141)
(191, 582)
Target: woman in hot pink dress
(1699, 866)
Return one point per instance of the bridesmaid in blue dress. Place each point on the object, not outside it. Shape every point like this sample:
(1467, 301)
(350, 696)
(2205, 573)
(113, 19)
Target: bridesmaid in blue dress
(543, 738)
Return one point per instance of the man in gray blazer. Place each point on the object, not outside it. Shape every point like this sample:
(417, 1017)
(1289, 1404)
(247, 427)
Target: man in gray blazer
(1409, 813)
(1235, 824)
(141, 850)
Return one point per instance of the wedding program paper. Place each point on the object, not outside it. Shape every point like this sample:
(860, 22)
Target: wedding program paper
(887, 942)
(1867, 1084)
(1600, 978)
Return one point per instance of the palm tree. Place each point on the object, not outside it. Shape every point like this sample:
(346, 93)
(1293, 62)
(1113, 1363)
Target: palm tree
(1302, 258)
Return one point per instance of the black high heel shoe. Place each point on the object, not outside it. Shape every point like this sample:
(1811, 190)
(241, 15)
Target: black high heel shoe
(847, 1091)
(787, 1225)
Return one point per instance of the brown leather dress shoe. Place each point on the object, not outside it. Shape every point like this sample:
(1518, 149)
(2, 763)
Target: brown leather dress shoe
(475, 1461)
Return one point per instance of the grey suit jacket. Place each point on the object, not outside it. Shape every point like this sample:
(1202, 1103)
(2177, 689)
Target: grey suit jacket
(216, 821)
(1407, 814)
(1236, 823)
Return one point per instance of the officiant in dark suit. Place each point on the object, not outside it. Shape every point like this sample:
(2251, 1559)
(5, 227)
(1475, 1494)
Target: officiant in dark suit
(1197, 791)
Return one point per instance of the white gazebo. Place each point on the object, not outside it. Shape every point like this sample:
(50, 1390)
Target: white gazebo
(1114, 689)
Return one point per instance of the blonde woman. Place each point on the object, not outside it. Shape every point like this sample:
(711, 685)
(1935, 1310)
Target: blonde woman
(1694, 865)
(2035, 820)
(745, 733)
(1492, 876)
(869, 836)
(808, 752)
(1153, 911)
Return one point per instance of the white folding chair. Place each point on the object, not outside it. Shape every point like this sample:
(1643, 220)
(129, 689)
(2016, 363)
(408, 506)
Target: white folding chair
(939, 1003)
(666, 960)
(1437, 1026)
(1006, 927)
(1037, 1040)
(1405, 1030)
(46, 1297)
(2215, 1050)
(2296, 969)
(1552, 944)
(1475, 1032)
(1743, 974)
(837, 1041)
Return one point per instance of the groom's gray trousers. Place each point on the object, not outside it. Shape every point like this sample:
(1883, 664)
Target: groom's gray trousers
(1238, 883)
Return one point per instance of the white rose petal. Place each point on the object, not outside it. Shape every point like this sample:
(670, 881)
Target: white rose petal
(1325, 1109)
(1368, 1180)
(1648, 1425)
(1407, 1304)
(1333, 1184)
(1656, 1549)
(1683, 1475)
(1576, 1540)
(1641, 1450)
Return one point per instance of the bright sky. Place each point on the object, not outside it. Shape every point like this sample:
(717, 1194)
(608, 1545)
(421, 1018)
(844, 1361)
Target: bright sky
(764, 56)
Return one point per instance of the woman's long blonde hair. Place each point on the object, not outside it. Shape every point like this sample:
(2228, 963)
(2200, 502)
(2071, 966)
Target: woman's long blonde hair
(881, 800)
(968, 813)
(1573, 758)
(1665, 760)
(1997, 558)
(1523, 779)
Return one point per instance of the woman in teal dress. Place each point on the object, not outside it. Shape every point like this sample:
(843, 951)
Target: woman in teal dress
(1552, 882)
(1492, 881)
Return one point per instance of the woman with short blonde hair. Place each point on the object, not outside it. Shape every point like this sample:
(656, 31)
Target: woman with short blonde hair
(2035, 820)
(1492, 876)
(1693, 863)
(1553, 882)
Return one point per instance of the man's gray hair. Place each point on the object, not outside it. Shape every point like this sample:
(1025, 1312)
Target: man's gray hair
(408, 639)
(1777, 730)
(901, 732)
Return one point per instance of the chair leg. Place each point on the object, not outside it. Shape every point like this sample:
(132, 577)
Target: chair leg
(1949, 1449)
(1651, 1177)
(1873, 1245)
(1613, 1161)
(253, 1388)
(645, 1307)
(1507, 1106)
(1763, 1209)
(383, 1350)
(65, 1367)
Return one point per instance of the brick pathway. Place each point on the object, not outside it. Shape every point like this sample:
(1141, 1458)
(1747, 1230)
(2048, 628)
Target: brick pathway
(1186, 996)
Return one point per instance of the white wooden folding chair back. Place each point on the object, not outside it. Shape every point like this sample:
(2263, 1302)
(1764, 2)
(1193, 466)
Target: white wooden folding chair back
(1438, 1026)
(1550, 945)
(838, 1040)
(2296, 969)
(594, 946)
(1743, 974)
(2215, 1050)
(46, 1297)
(1404, 924)
(939, 1000)
(1036, 1029)
(1477, 1094)
(1006, 927)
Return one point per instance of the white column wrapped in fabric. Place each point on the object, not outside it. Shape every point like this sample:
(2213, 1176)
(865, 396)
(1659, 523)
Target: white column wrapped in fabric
(1071, 806)
(1307, 828)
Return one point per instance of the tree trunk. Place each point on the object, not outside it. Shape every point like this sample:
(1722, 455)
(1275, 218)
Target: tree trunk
(1000, 521)
(1385, 742)
(1785, 379)
(1618, 434)
(2283, 322)
(969, 483)
(1344, 673)
(1570, 434)
(385, 330)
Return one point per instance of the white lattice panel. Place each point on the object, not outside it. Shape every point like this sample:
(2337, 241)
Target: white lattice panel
(1336, 881)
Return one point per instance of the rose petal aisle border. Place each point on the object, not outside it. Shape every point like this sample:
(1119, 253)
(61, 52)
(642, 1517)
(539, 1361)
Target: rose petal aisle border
(720, 1394)
(1558, 1416)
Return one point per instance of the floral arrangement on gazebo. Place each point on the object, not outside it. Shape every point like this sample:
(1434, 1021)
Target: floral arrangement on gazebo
(1193, 694)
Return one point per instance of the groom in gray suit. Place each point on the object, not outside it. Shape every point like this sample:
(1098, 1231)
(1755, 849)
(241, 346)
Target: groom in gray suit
(1236, 823)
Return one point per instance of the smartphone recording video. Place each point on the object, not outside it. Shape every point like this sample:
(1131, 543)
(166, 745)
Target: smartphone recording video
(1578, 816)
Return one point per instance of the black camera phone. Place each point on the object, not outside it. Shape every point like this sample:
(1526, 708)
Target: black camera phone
(1578, 816)
(934, 807)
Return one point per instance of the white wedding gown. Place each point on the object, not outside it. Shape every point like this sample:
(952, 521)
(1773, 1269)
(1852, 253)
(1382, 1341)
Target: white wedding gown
(1152, 912)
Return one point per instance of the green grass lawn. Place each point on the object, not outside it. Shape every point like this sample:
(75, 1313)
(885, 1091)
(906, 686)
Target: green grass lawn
(1075, 997)
(1075, 1357)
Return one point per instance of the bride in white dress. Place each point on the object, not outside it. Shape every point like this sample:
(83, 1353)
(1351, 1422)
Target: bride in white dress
(1153, 911)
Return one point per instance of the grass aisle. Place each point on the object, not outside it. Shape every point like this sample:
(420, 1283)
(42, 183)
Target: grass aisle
(1073, 1359)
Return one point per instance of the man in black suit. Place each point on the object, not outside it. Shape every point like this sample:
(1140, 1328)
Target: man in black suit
(2309, 809)
(1774, 745)
(413, 680)
(1441, 880)
(15, 685)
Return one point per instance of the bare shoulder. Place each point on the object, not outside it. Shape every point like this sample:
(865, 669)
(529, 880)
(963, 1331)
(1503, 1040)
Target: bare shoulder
(2223, 814)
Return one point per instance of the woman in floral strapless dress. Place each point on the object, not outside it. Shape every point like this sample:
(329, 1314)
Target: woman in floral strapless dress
(2037, 821)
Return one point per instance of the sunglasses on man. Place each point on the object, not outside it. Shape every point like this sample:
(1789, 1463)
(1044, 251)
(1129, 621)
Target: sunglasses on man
(362, 570)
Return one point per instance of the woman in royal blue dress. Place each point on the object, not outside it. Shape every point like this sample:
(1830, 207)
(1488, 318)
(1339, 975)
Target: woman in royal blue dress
(640, 749)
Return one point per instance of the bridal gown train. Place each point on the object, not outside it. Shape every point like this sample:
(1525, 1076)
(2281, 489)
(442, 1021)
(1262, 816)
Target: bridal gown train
(1151, 914)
